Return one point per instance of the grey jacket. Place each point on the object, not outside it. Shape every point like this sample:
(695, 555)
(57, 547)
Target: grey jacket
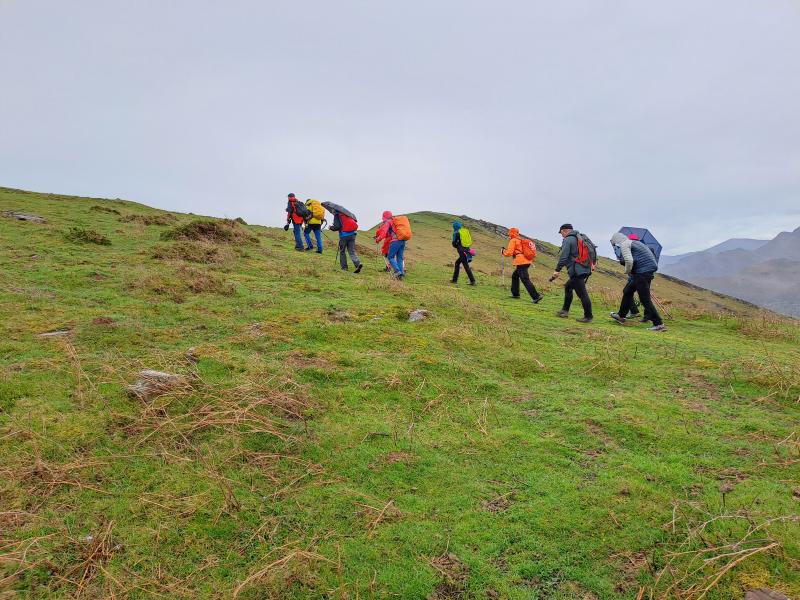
(637, 258)
(569, 252)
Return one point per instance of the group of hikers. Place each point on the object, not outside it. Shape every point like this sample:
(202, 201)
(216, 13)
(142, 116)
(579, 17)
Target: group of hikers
(578, 256)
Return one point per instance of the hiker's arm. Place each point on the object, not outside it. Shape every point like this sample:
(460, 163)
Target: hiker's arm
(563, 258)
(510, 250)
(627, 256)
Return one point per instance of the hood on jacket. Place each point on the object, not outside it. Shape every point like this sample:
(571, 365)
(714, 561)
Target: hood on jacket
(456, 225)
(618, 239)
(387, 214)
(513, 233)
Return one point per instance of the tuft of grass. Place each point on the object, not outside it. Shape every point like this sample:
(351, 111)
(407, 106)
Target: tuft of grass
(86, 236)
(157, 219)
(196, 252)
(105, 209)
(225, 231)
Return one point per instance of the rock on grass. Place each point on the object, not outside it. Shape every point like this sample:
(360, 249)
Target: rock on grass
(155, 383)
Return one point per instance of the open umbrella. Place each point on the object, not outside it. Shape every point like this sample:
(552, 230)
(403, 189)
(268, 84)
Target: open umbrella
(647, 238)
(333, 208)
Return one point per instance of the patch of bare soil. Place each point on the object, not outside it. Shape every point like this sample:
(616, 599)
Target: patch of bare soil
(454, 577)
(498, 502)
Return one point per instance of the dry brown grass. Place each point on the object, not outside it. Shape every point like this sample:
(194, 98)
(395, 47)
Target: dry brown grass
(157, 219)
(220, 231)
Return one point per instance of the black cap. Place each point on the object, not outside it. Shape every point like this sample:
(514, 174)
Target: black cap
(565, 226)
(290, 196)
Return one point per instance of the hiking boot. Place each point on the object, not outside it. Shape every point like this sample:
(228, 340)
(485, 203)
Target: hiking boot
(631, 315)
(358, 269)
(300, 249)
(646, 320)
(617, 318)
(401, 277)
(319, 251)
(562, 313)
(661, 327)
(538, 299)
(472, 283)
(309, 249)
(584, 320)
(453, 281)
(513, 297)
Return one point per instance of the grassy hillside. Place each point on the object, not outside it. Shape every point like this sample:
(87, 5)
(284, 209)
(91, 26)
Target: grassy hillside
(319, 445)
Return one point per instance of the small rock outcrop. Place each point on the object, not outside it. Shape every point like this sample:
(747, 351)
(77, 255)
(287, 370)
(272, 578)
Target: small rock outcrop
(155, 383)
(418, 315)
(23, 216)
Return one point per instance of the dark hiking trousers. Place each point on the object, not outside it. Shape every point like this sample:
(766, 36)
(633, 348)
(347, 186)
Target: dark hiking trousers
(521, 274)
(578, 285)
(463, 259)
(641, 285)
(634, 309)
(349, 244)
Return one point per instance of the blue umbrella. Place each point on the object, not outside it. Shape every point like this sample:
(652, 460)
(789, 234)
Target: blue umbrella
(647, 238)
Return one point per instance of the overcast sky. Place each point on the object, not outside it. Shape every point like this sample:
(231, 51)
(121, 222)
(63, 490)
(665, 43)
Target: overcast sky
(680, 116)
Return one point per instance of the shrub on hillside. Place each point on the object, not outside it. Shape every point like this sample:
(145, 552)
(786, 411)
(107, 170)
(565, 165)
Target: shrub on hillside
(224, 230)
(196, 252)
(164, 219)
(105, 209)
(86, 236)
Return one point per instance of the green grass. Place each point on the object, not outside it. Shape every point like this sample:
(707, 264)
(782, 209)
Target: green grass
(327, 448)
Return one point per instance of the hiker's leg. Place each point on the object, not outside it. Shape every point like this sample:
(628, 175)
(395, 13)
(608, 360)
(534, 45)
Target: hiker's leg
(307, 235)
(580, 290)
(467, 268)
(342, 256)
(457, 268)
(568, 287)
(298, 239)
(515, 283)
(318, 236)
(524, 274)
(643, 287)
(627, 298)
(351, 250)
(401, 260)
(394, 251)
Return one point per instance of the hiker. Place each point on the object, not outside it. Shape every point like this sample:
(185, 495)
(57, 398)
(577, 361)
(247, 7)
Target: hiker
(345, 223)
(462, 242)
(294, 218)
(641, 266)
(633, 311)
(523, 252)
(578, 255)
(382, 234)
(314, 223)
(398, 230)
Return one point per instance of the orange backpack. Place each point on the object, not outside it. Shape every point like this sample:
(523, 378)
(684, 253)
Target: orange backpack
(528, 249)
(402, 228)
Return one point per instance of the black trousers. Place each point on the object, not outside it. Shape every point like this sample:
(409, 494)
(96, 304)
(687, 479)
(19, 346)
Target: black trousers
(521, 274)
(578, 286)
(640, 284)
(634, 309)
(463, 260)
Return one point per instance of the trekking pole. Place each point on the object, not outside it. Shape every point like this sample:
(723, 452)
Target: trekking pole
(503, 271)
(660, 304)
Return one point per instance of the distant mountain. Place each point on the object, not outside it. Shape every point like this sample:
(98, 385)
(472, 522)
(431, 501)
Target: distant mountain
(765, 272)
(731, 244)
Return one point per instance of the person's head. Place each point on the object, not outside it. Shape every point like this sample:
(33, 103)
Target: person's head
(291, 197)
(513, 233)
(565, 229)
(618, 239)
(387, 214)
(633, 236)
(456, 225)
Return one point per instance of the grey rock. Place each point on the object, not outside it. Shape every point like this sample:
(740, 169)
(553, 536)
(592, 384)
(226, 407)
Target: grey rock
(56, 333)
(418, 315)
(764, 594)
(155, 383)
(23, 216)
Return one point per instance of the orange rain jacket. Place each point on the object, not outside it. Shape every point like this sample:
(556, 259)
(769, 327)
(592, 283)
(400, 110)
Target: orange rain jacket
(515, 248)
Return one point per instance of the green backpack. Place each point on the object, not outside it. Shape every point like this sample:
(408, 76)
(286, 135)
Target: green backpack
(466, 237)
